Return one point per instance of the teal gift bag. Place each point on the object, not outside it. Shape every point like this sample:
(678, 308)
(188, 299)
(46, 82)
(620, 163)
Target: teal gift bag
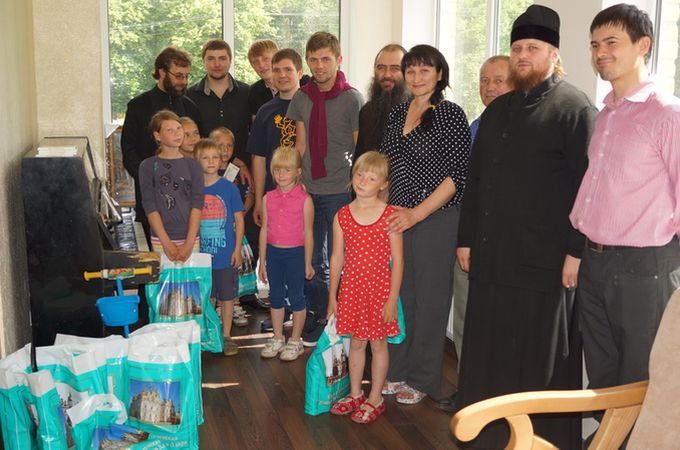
(98, 423)
(76, 369)
(190, 333)
(183, 293)
(97, 411)
(113, 349)
(247, 278)
(327, 373)
(398, 339)
(19, 431)
(160, 392)
(54, 430)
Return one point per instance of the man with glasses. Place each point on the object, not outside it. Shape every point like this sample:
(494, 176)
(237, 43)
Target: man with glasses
(171, 70)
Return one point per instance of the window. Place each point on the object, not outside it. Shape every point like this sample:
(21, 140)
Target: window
(139, 29)
(665, 61)
(469, 32)
(289, 23)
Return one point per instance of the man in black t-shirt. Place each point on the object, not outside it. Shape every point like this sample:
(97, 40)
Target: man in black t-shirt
(223, 100)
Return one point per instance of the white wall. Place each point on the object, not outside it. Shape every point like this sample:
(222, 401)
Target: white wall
(367, 35)
(17, 134)
(575, 16)
(68, 71)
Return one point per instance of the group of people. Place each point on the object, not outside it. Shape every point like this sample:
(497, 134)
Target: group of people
(537, 199)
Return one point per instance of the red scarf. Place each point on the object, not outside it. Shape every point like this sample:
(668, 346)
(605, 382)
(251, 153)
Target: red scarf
(318, 127)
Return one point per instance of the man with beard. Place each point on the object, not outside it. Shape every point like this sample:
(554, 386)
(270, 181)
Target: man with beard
(223, 100)
(171, 70)
(387, 90)
(515, 238)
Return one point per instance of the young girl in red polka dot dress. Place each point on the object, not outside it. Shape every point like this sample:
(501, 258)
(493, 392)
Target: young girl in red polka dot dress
(366, 304)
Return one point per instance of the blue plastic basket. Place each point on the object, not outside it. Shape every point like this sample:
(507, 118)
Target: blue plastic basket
(119, 311)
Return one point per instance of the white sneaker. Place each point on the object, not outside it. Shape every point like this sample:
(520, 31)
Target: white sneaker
(272, 348)
(239, 320)
(292, 350)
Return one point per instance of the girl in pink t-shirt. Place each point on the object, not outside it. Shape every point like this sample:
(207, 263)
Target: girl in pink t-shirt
(286, 244)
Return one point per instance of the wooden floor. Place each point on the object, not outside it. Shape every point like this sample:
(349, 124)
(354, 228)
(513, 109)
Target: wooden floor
(253, 403)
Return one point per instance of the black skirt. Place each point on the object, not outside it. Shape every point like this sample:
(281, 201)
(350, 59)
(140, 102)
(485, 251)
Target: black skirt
(519, 340)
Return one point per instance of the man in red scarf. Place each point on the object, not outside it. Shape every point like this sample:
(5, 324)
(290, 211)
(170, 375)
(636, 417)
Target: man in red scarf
(326, 114)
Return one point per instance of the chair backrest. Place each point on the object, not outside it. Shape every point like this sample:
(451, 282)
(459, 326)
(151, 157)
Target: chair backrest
(658, 425)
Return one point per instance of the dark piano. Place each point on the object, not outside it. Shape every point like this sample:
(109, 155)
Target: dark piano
(73, 226)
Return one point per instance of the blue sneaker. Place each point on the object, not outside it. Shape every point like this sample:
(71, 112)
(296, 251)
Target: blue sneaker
(266, 326)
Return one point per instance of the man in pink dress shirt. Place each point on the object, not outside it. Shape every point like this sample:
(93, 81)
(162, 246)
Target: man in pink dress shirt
(628, 205)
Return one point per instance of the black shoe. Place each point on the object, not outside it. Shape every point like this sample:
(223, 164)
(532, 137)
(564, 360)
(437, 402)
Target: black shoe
(310, 322)
(248, 300)
(262, 304)
(309, 338)
(266, 326)
(447, 404)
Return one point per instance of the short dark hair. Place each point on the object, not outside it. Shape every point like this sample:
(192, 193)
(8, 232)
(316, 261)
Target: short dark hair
(216, 44)
(322, 39)
(634, 21)
(288, 53)
(168, 56)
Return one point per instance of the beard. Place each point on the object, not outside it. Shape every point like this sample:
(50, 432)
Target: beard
(172, 90)
(220, 77)
(525, 83)
(396, 95)
(383, 100)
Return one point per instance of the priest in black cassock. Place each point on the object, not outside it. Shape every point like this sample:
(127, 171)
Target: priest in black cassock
(515, 238)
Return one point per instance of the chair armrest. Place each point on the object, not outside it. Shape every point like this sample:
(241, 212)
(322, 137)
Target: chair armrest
(469, 421)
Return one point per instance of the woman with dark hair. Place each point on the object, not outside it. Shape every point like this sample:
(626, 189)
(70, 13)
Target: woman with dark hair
(428, 142)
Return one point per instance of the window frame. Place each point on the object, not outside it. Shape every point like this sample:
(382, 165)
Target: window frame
(227, 35)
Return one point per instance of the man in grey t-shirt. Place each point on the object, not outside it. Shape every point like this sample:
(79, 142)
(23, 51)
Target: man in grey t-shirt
(326, 114)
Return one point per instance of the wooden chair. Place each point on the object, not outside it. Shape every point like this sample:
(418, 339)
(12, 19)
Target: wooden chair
(653, 406)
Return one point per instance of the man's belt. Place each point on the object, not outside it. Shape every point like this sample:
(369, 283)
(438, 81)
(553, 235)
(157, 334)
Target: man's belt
(599, 248)
(604, 248)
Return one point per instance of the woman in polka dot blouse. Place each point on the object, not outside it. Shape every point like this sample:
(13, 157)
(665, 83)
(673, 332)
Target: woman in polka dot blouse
(428, 142)
(367, 300)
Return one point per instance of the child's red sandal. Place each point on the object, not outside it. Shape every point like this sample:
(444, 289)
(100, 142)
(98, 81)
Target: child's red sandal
(347, 405)
(368, 413)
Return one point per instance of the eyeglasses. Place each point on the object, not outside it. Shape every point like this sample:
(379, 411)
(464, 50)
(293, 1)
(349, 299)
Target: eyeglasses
(180, 76)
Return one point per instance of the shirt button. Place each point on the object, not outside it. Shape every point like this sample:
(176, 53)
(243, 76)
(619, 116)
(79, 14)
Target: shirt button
(580, 222)
(606, 133)
(594, 177)
(505, 135)
(588, 200)
(601, 155)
